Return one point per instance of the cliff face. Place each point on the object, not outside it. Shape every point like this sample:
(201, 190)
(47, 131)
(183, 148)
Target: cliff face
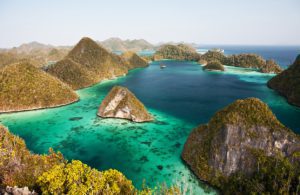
(177, 52)
(133, 60)
(25, 87)
(228, 143)
(287, 83)
(121, 103)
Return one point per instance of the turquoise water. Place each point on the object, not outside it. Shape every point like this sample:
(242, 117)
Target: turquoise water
(180, 97)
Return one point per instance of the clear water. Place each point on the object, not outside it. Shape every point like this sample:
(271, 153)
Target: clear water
(181, 96)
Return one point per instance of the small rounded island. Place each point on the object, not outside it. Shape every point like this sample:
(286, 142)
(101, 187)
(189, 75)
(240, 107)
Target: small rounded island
(214, 66)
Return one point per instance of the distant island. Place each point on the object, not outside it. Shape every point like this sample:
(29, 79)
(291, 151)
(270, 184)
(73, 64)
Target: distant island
(186, 52)
(242, 60)
(176, 52)
(287, 83)
(117, 44)
(245, 149)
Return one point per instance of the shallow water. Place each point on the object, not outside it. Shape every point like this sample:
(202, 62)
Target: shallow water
(181, 96)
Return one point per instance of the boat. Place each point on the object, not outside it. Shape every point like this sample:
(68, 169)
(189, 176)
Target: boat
(162, 66)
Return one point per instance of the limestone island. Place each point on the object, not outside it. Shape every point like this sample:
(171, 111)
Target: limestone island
(25, 87)
(244, 149)
(214, 66)
(121, 103)
(176, 52)
(242, 60)
(287, 83)
(133, 60)
(89, 63)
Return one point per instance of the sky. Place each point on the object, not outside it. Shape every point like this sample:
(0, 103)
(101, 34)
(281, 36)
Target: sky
(233, 22)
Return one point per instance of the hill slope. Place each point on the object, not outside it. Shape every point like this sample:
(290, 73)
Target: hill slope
(287, 83)
(88, 63)
(25, 87)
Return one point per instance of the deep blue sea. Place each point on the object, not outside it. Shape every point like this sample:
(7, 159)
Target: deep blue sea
(180, 97)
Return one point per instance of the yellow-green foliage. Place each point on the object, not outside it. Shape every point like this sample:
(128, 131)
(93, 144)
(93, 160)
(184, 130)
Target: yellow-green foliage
(78, 178)
(72, 73)
(214, 65)
(25, 87)
(248, 112)
(97, 59)
(177, 52)
(17, 165)
(243, 60)
(287, 83)
(133, 60)
(88, 63)
(213, 56)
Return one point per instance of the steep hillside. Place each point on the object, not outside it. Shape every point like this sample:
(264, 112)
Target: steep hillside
(287, 83)
(25, 87)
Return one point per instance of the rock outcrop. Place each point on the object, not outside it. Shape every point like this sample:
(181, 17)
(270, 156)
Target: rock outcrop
(228, 144)
(25, 87)
(121, 103)
(287, 83)
(17, 191)
(177, 52)
(214, 65)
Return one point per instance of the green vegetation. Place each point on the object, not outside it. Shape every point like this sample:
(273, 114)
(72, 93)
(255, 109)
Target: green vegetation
(18, 167)
(214, 56)
(88, 63)
(287, 83)
(235, 134)
(25, 87)
(214, 65)
(177, 52)
(127, 101)
(242, 60)
(72, 73)
(133, 60)
(78, 178)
